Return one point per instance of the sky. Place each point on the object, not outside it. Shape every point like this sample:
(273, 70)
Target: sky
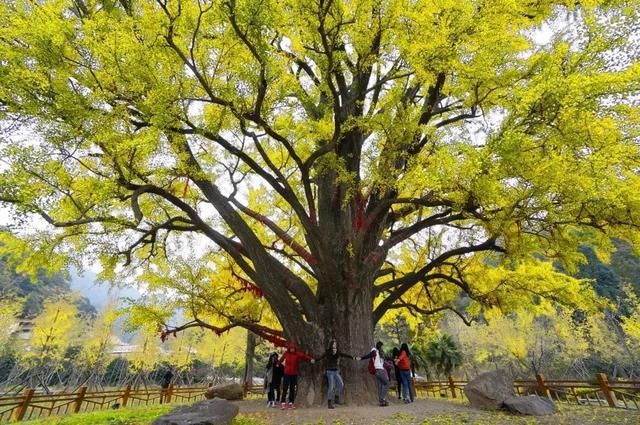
(99, 294)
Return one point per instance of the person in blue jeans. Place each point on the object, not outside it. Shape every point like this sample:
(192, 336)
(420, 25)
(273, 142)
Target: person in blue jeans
(336, 384)
(405, 365)
(378, 367)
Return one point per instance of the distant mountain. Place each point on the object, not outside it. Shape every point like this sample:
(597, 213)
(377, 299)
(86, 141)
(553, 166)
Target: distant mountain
(35, 293)
(100, 295)
(624, 268)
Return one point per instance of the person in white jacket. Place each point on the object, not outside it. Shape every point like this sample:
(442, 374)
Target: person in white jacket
(382, 377)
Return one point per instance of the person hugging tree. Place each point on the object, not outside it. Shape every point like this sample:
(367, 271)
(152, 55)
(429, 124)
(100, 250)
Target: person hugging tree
(334, 380)
(378, 368)
(290, 359)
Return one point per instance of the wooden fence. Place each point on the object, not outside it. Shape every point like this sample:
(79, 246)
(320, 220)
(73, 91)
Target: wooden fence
(599, 392)
(32, 405)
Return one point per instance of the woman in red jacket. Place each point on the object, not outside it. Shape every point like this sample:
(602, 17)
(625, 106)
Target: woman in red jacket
(404, 364)
(290, 359)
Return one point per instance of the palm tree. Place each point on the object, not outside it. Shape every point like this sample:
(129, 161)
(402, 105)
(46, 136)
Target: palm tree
(421, 361)
(443, 354)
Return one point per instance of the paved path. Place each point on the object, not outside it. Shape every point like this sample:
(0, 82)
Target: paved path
(353, 415)
(431, 411)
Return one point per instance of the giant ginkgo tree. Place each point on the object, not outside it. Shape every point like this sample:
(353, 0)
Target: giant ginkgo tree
(346, 157)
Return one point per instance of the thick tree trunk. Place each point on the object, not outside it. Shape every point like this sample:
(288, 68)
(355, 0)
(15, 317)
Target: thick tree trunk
(249, 358)
(346, 315)
(343, 305)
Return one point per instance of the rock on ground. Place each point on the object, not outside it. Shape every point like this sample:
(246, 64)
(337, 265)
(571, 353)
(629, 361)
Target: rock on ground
(530, 405)
(489, 390)
(230, 391)
(207, 412)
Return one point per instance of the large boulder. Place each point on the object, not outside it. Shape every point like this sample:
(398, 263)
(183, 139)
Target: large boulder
(207, 412)
(230, 391)
(490, 390)
(530, 405)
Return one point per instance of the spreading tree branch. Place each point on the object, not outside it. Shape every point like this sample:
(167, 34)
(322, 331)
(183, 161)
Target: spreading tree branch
(403, 284)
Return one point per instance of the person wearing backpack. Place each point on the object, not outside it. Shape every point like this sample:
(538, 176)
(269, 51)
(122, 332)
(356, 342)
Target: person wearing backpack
(334, 380)
(379, 368)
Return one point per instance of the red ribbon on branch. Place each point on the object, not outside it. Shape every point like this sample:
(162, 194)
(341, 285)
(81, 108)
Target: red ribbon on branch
(361, 220)
(273, 336)
(247, 286)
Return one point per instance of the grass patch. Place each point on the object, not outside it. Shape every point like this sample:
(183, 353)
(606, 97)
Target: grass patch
(247, 420)
(399, 418)
(567, 415)
(137, 415)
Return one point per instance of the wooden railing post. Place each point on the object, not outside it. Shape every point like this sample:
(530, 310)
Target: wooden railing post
(77, 404)
(125, 395)
(452, 385)
(606, 389)
(169, 393)
(245, 389)
(18, 414)
(542, 386)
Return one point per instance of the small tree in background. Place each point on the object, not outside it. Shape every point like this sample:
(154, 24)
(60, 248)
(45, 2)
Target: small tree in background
(54, 331)
(395, 330)
(443, 354)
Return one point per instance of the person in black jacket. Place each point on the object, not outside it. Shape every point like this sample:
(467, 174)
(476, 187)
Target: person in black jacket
(396, 371)
(273, 378)
(336, 384)
(166, 381)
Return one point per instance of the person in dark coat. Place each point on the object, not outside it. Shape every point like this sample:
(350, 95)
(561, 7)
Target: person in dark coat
(396, 371)
(166, 381)
(273, 379)
(336, 384)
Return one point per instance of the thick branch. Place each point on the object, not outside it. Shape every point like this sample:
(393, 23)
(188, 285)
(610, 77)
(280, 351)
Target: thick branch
(270, 271)
(271, 335)
(400, 235)
(280, 233)
(283, 189)
(406, 282)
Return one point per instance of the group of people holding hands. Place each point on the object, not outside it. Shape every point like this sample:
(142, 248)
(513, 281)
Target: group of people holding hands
(284, 369)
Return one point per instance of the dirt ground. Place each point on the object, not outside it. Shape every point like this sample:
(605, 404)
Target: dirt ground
(428, 412)
(349, 414)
